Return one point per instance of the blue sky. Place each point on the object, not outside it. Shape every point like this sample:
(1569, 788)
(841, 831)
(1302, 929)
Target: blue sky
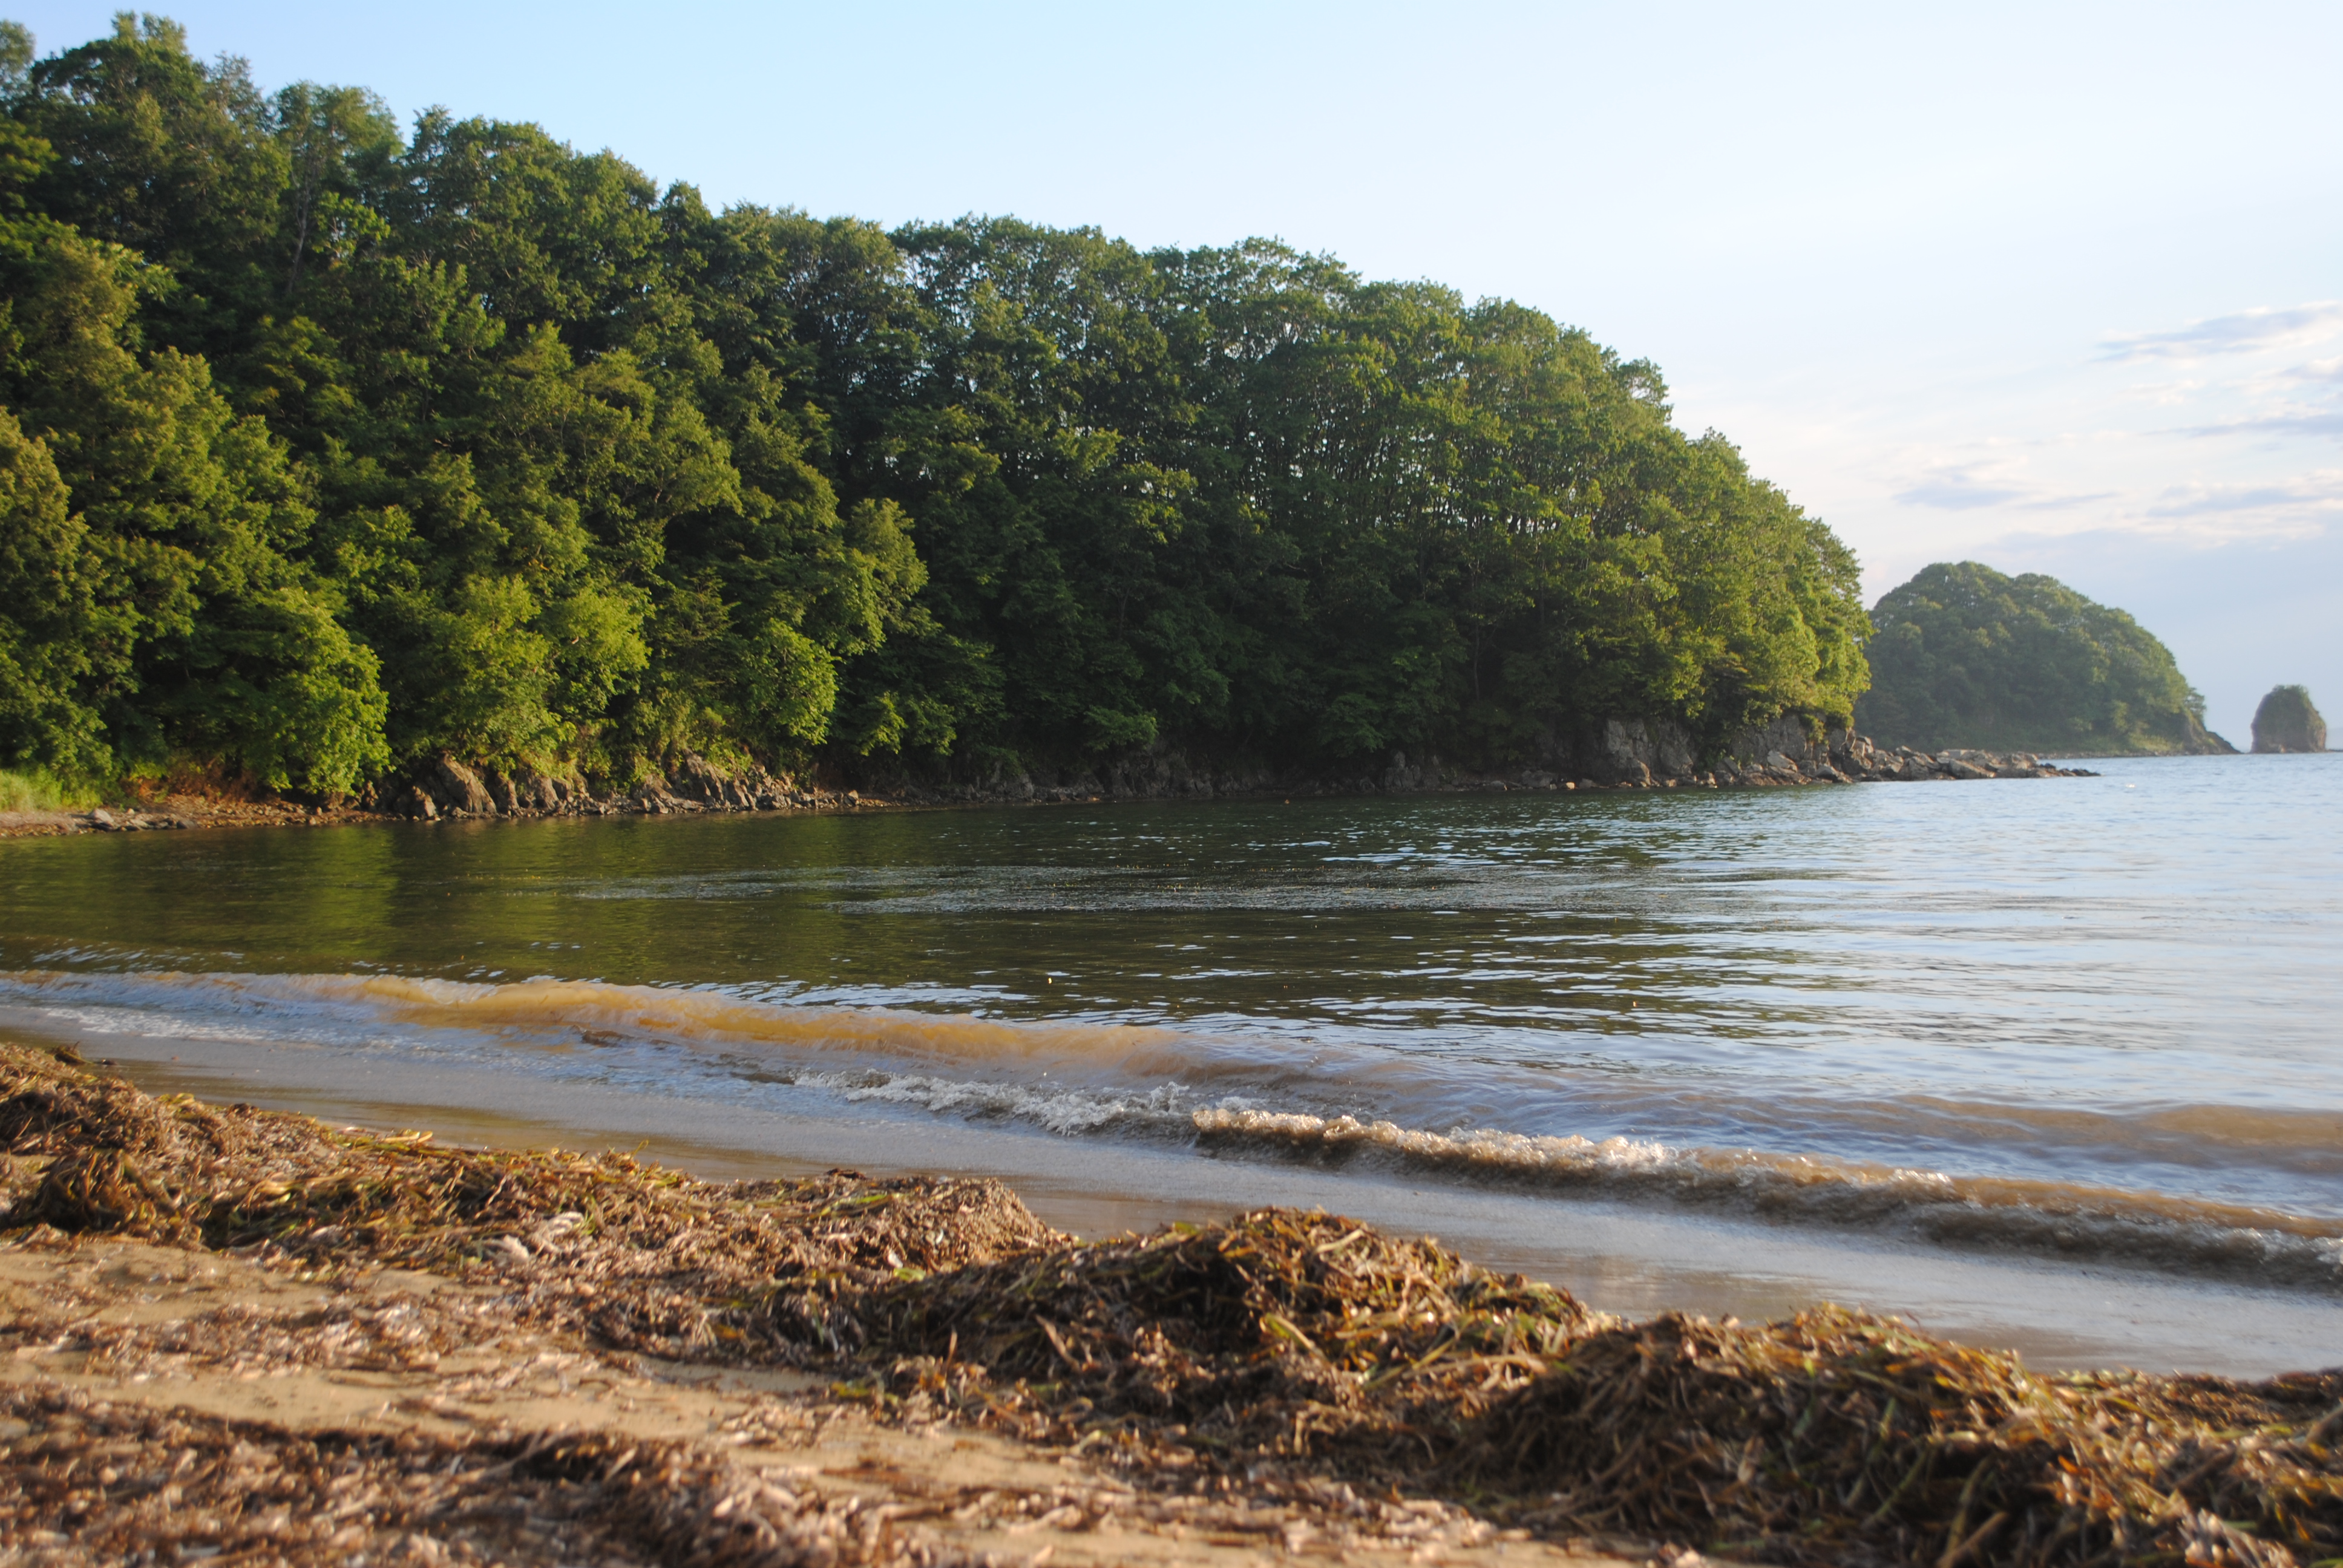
(2057, 289)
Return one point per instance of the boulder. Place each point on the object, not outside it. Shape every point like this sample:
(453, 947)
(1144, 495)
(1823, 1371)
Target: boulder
(535, 792)
(458, 789)
(2288, 721)
(653, 798)
(1617, 751)
(693, 777)
(416, 804)
(1400, 776)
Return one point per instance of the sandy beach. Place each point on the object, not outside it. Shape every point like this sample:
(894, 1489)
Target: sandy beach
(220, 1404)
(247, 1335)
(178, 1402)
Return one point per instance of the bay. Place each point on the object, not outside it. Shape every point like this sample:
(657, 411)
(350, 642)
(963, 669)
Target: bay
(2076, 1029)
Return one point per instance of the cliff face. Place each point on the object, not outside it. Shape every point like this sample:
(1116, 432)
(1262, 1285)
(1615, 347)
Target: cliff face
(2288, 721)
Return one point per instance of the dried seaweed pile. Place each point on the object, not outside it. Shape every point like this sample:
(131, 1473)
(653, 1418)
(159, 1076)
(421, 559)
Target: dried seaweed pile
(82, 1481)
(1836, 1434)
(1279, 1345)
(1281, 1334)
(1306, 1340)
(645, 1257)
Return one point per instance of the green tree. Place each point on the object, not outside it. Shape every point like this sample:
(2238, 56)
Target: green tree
(377, 445)
(60, 652)
(206, 636)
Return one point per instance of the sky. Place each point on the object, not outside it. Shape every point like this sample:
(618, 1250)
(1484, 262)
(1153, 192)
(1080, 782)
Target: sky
(2054, 288)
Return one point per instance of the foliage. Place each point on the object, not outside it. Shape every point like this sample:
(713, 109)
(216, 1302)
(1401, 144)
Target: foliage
(1964, 655)
(2288, 720)
(35, 791)
(327, 447)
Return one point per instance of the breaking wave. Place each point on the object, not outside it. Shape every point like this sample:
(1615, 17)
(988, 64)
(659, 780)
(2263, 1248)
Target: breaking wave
(1233, 1096)
(2236, 1243)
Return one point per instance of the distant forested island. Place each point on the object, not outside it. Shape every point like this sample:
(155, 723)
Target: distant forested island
(330, 448)
(2288, 720)
(1962, 655)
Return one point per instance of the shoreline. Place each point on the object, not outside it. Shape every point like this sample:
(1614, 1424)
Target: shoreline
(1620, 1255)
(1308, 1382)
(456, 792)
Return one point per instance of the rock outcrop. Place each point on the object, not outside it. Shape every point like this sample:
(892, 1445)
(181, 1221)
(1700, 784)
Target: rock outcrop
(458, 791)
(2288, 721)
(447, 788)
(1618, 754)
(1648, 753)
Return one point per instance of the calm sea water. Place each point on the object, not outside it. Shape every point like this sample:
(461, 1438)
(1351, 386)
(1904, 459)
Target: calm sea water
(2091, 1021)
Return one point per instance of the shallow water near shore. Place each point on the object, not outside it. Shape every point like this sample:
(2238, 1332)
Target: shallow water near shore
(2046, 1062)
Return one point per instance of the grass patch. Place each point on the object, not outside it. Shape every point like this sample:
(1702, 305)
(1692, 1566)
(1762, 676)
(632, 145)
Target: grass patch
(38, 791)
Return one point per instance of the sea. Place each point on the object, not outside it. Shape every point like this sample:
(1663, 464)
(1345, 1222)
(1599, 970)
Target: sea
(2053, 1065)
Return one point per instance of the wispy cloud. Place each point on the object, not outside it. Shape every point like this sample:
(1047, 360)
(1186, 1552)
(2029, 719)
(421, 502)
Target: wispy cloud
(2245, 332)
(2316, 370)
(2320, 422)
(2307, 497)
(1958, 493)
(1967, 490)
(2282, 399)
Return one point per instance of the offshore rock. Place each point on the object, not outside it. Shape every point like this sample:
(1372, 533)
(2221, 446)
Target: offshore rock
(2288, 721)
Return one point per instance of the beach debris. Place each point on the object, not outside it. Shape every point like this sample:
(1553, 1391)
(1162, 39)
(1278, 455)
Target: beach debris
(1278, 1351)
(87, 1480)
(1313, 1342)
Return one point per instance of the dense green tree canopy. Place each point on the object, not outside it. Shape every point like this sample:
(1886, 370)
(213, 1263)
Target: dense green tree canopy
(327, 448)
(1964, 655)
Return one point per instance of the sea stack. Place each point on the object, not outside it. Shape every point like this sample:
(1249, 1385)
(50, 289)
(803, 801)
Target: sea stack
(2285, 721)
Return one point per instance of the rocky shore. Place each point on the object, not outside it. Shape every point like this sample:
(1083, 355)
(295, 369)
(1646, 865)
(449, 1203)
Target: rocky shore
(244, 1334)
(1618, 755)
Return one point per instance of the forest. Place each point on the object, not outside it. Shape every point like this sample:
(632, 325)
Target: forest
(330, 447)
(1966, 655)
